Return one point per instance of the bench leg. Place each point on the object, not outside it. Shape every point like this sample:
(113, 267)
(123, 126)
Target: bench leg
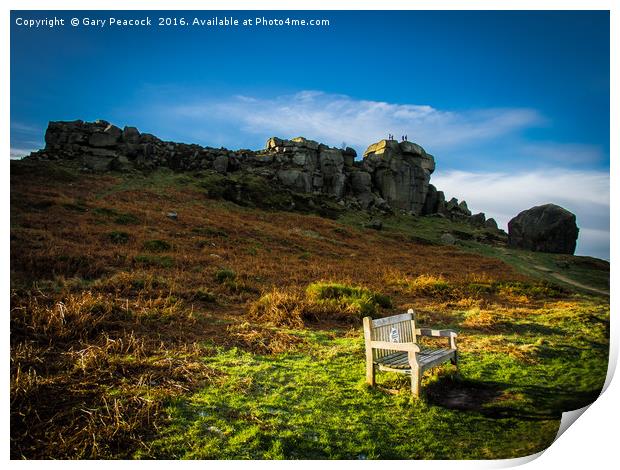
(416, 381)
(455, 360)
(370, 373)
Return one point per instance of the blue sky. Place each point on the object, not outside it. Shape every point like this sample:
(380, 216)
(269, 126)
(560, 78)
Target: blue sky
(514, 105)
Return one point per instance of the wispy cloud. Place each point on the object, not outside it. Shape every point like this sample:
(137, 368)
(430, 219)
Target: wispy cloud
(25, 138)
(563, 153)
(503, 195)
(333, 118)
(25, 128)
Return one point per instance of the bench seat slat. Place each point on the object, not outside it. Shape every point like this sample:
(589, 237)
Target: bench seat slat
(400, 359)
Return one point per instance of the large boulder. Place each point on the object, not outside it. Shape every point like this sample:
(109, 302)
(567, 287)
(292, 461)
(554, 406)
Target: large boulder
(401, 173)
(549, 228)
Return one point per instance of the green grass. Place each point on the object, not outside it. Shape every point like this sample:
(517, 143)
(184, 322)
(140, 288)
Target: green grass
(517, 377)
(355, 298)
(223, 275)
(314, 404)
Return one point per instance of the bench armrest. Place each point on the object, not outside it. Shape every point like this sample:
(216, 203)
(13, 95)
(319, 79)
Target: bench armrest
(411, 347)
(432, 332)
(451, 335)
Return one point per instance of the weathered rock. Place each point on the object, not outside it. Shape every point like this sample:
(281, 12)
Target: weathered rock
(375, 224)
(220, 164)
(477, 220)
(102, 152)
(435, 201)
(491, 224)
(331, 164)
(400, 173)
(113, 131)
(381, 147)
(455, 210)
(305, 143)
(148, 139)
(447, 239)
(131, 135)
(349, 155)
(549, 228)
(96, 163)
(102, 139)
(273, 143)
(464, 209)
(296, 180)
(121, 163)
(411, 147)
(361, 182)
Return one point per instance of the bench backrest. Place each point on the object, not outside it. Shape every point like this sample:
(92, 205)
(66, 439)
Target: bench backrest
(394, 329)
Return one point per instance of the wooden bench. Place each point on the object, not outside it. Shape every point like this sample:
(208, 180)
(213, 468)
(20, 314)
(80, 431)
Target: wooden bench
(391, 345)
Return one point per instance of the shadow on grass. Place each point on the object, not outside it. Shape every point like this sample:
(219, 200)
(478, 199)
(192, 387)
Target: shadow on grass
(498, 400)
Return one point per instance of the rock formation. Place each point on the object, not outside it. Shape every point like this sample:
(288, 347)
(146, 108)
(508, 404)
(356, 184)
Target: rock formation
(549, 228)
(391, 176)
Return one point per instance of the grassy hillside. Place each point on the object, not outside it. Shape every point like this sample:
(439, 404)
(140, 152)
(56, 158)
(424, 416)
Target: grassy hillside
(234, 331)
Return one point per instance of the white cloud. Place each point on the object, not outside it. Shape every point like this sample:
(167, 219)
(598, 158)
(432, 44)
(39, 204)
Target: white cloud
(333, 118)
(503, 195)
(17, 153)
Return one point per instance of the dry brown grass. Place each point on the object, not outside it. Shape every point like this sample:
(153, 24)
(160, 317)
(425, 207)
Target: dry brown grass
(261, 340)
(279, 308)
(295, 310)
(88, 379)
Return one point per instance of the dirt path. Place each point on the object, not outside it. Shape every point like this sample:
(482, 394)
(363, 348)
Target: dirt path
(578, 284)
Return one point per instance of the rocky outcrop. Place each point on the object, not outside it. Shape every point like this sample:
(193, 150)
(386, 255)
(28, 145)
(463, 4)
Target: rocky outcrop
(549, 228)
(307, 166)
(392, 176)
(101, 146)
